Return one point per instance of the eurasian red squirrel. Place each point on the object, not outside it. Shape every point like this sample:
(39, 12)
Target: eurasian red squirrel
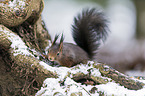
(88, 30)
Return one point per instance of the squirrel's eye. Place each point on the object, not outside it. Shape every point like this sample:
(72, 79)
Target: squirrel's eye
(57, 53)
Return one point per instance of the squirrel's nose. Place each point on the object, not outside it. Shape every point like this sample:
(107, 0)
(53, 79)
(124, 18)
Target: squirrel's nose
(50, 58)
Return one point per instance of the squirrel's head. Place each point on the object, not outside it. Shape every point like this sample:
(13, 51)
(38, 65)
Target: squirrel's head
(55, 51)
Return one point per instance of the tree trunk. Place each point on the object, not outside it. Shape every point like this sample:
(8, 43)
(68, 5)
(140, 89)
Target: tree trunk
(23, 44)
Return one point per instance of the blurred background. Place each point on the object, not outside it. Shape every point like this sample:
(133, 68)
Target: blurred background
(124, 49)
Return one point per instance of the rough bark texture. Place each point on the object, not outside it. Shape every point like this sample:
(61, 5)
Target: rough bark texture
(23, 40)
(22, 74)
(119, 77)
(16, 14)
(109, 72)
(93, 74)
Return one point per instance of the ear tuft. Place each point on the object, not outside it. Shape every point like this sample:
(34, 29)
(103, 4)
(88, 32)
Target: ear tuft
(56, 37)
(61, 43)
(62, 39)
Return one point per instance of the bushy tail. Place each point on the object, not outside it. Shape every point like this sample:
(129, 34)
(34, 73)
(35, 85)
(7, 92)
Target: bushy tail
(89, 29)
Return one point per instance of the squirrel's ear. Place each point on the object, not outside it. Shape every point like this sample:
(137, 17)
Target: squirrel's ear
(61, 43)
(54, 41)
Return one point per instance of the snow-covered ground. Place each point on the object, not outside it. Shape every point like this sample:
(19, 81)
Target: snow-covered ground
(58, 16)
(60, 21)
(52, 86)
(18, 45)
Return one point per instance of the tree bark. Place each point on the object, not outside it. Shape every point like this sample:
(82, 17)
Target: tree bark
(23, 42)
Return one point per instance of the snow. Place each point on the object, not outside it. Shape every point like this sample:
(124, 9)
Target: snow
(71, 87)
(61, 71)
(113, 88)
(85, 69)
(95, 72)
(18, 45)
(49, 88)
(47, 47)
(14, 3)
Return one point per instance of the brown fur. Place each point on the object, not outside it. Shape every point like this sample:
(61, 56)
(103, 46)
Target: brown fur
(88, 30)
